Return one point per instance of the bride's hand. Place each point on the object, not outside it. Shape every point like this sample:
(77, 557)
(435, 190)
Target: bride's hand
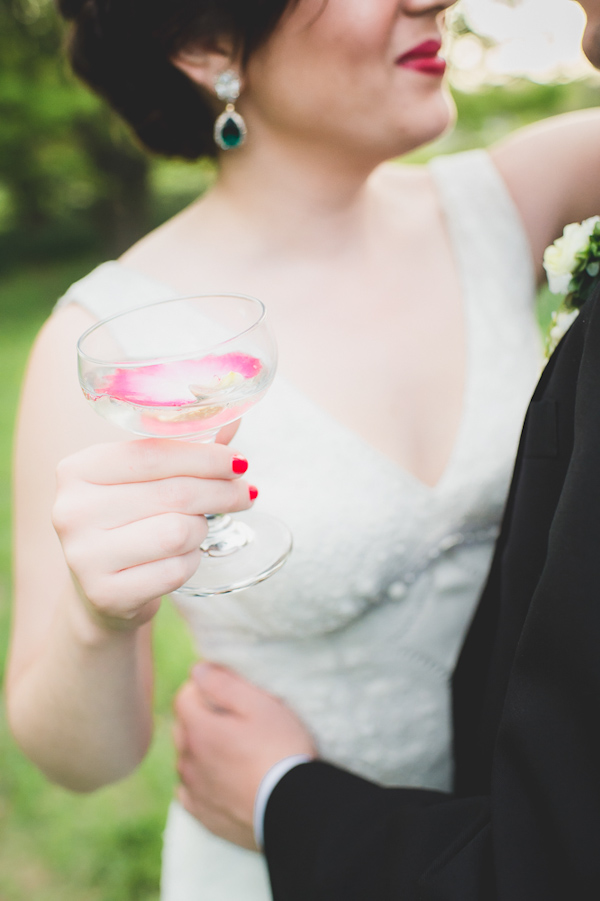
(129, 516)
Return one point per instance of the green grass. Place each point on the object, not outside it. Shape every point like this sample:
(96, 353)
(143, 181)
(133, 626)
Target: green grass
(55, 846)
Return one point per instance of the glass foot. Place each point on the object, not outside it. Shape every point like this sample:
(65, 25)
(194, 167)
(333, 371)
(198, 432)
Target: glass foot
(243, 552)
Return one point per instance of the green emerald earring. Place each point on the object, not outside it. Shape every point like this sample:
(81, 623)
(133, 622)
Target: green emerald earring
(230, 128)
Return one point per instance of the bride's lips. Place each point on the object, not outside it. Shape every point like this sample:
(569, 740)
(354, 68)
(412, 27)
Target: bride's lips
(425, 58)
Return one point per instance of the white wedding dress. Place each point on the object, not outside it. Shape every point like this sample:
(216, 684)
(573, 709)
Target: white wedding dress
(360, 630)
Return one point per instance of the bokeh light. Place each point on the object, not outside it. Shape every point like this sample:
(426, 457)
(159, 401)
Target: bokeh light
(498, 40)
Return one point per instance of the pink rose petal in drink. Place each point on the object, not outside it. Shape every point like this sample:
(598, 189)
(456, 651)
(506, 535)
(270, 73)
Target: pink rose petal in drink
(170, 384)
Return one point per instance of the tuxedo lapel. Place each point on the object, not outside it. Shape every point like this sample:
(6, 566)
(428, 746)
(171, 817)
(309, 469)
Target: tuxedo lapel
(543, 458)
(549, 743)
(524, 824)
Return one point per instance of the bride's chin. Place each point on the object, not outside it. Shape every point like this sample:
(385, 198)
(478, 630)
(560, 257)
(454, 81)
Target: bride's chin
(436, 120)
(442, 116)
(449, 113)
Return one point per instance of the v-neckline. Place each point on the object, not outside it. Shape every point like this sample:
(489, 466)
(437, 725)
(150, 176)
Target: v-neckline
(402, 471)
(466, 300)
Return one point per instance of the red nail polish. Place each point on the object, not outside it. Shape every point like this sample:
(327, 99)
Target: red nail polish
(253, 492)
(239, 465)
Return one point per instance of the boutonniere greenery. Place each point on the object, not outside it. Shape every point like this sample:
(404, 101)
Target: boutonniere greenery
(572, 265)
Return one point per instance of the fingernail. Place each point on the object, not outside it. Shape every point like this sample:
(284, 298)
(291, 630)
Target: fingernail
(239, 465)
(253, 492)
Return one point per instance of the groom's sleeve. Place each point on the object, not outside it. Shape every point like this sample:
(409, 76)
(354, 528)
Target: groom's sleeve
(332, 836)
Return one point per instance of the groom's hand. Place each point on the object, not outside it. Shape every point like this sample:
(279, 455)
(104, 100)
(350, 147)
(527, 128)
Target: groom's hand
(228, 734)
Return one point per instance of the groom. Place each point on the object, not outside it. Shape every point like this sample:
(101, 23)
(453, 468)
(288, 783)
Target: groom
(523, 823)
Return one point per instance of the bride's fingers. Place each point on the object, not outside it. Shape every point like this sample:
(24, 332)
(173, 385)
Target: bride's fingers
(145, 541)
(188, 495)
(116, 505)
(121, 595)
(148, 460)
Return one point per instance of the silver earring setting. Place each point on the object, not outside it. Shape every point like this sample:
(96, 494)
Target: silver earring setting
(230, 128)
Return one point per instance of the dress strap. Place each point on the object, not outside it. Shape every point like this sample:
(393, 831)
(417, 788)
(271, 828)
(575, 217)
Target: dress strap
(485, 226)
(111, 288)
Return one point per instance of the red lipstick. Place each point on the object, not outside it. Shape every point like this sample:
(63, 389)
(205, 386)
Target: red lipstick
(425, 58)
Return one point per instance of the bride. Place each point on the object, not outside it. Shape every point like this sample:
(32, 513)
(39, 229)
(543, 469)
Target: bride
(402, 298)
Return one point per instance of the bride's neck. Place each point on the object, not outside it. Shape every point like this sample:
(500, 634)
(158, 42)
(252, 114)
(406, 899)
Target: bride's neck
(297, 197)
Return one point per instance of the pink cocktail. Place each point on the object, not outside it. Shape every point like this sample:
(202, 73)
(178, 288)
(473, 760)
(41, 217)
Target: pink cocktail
(189, 398)
(183, 369)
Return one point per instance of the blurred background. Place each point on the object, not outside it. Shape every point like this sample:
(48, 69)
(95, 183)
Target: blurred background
(75, 191)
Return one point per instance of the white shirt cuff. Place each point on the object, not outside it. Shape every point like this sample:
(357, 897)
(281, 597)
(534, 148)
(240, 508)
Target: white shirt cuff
(265, 789)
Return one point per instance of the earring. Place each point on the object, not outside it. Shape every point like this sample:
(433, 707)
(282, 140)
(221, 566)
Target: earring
(230, 128)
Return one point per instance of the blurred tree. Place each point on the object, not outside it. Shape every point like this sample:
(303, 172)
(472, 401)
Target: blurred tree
(68, 170)
(72, 178)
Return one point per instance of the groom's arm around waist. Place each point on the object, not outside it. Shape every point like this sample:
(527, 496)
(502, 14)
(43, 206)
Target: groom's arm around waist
(332, 836)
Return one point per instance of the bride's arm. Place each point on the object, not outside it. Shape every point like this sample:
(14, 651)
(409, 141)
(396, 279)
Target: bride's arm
(552, 170)
(129, 517)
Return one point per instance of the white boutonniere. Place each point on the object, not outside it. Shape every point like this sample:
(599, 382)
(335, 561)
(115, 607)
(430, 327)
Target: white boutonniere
(572, 265)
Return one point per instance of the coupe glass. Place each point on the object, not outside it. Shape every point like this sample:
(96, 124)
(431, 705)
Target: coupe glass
(183, 369)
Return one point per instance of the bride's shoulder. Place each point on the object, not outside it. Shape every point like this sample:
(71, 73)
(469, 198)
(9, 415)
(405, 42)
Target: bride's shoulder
(552, 170)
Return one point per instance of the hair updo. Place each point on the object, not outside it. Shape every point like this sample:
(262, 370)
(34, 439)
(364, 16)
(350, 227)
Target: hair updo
(122, 50)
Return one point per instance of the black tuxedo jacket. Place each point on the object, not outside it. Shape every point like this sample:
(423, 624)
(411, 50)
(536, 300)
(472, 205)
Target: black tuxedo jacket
(523, 823)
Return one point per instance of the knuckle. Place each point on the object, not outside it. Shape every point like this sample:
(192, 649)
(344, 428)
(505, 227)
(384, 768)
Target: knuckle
(175, 534)
(63, 471)
(176, 570)
(100, 595)
(72, 468)
(68, 511)
(64, 513)
(66, 470)
(183, 699)
(61, 515)
(76, 557)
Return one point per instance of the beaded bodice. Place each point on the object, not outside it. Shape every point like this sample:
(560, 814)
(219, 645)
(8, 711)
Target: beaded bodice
(360, 630)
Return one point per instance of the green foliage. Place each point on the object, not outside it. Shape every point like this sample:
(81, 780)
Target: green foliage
(585, 273)
(69, 174)
(38, 103)
(491, 113)
(547, 304)
(72, 180)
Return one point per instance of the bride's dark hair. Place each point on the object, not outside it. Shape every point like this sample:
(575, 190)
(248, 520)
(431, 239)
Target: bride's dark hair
(122, 49)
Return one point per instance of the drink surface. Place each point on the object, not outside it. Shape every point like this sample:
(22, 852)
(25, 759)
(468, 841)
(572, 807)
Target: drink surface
(179, 398)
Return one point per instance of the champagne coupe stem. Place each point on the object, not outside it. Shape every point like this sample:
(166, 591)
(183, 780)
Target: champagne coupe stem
(226, 535)
(263, 539)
